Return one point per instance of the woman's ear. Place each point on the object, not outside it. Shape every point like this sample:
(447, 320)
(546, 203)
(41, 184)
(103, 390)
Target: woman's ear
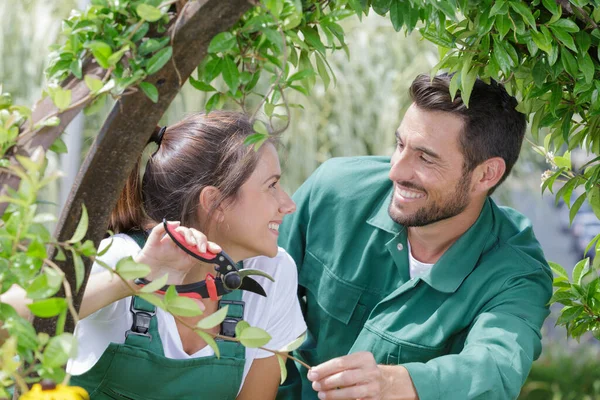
(209, 196)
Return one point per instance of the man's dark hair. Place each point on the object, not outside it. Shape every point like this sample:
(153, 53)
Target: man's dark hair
(493, 127)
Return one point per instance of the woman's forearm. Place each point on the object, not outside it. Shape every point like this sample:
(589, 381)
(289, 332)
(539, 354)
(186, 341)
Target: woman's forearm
(102, 289)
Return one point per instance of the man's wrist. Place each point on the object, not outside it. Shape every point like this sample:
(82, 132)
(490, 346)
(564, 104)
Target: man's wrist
(396, 383)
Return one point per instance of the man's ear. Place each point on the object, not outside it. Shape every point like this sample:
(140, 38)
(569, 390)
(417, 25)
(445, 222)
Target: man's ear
(488, 174)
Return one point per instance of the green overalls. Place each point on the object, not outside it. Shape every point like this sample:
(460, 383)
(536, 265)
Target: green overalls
(139, 370)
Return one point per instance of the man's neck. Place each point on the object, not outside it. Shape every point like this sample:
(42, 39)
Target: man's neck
(428, 243)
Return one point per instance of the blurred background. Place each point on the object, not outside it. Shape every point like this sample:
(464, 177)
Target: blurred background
(357, 115)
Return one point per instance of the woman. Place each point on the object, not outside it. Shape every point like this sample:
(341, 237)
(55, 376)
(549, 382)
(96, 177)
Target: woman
(203, 176)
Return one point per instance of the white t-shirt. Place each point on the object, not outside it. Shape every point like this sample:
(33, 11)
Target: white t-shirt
(279, 313)
(417, 268)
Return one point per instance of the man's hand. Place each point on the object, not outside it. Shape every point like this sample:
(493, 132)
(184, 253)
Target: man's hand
(357, 376)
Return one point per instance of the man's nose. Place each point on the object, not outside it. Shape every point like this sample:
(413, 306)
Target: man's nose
(401, 167)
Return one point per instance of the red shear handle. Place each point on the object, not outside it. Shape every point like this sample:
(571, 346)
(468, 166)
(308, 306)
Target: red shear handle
(182, 242)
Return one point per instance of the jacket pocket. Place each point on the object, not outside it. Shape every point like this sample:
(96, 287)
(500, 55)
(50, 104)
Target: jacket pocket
(334, 315)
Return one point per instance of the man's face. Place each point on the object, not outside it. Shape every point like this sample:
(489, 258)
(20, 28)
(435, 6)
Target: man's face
(430, 183)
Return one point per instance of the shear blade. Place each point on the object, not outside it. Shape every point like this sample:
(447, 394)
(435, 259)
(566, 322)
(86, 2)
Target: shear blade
(251, 285)
(249, 271)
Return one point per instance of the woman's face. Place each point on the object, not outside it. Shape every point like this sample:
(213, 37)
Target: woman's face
(250, 224)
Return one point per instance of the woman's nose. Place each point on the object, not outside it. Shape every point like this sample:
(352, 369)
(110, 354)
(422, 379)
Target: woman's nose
(287, 205)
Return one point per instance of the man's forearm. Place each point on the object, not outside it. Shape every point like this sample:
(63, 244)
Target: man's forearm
(397, 384)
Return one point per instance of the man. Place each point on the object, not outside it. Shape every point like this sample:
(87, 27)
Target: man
(414, 283)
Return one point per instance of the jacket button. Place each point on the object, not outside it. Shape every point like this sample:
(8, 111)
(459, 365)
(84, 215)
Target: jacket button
(400, 247)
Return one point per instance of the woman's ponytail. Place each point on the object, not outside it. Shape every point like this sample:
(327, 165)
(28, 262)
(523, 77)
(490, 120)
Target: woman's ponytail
(129, 212)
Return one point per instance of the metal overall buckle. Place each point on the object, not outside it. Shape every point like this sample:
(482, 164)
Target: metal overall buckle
(141, 321)
(229, 323)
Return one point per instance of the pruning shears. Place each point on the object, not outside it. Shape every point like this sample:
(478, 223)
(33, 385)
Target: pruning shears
(228, 277)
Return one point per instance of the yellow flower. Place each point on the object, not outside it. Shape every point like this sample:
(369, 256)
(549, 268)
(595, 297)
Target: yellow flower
(58, 392)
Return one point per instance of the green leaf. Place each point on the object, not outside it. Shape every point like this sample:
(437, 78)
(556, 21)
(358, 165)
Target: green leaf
(209, 341)
(183, 306)
(152, 299)
(150, 90)
(294, 344)
(94, 84)
(230, 72)
(79, 269)
(551, 6)
(565, 298)
(213, 102)
(542, 42)
(40, 288)
(82, 226)
(48, 308)
(130, 269)
(152, 45)
(61, 98)
(397, 14)
(587, 67)
(301, 75)
(575, 207)
(311, 36)
(149, 13)
(101, 51)
(59, 146)
(568, 314)
(159, 60)
(558, 269)
(564, 37)
(569, 63)
(282, 368)
(213, 320)
(116, 57)
(498, 7)
(501, 56)
(76, 68)
(579, 268)
(170, 294)
(222, 43)
(468, 81)
(197, 84)
(593, 196)
(254, 337)
(240, 326)
(155, 285)
(58, 350)
(565, 24)
(525, 12)
(596, 239)
(322, 71)
(260, 128)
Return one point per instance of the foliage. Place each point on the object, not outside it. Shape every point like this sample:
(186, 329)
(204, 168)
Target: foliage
(562, 374)
(544, 51)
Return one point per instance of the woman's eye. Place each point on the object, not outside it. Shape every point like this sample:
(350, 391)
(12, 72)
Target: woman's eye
(273, 185)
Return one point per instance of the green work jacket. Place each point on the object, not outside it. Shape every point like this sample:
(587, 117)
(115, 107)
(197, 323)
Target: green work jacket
(467, 329)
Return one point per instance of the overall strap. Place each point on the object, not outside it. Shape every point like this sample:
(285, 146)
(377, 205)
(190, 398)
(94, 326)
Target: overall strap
(235, 313)
(144, 330)
(139, 236)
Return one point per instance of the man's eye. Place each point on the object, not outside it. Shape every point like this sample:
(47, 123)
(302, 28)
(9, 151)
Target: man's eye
(425, 160)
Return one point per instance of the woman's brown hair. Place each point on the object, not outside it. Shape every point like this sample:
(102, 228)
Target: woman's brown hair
(199, 151)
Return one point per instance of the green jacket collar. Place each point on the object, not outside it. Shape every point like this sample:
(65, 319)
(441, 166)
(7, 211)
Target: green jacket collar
(459, 260)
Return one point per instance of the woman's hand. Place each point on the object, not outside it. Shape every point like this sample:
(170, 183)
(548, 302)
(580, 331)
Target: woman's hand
(164, 256)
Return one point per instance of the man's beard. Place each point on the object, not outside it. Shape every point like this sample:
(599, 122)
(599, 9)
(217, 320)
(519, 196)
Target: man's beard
(431, 213)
